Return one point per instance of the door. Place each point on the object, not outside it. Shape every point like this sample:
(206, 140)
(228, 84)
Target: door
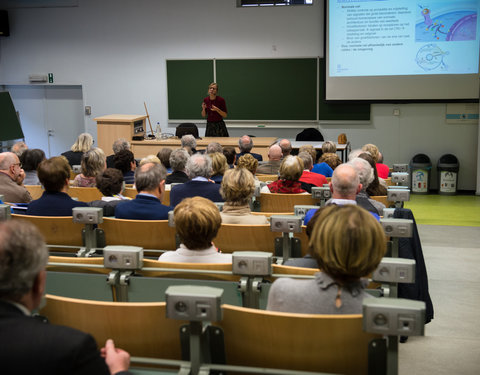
(51, 116)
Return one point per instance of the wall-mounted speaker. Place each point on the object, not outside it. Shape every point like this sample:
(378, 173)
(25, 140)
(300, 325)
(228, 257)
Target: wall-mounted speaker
(4, 27)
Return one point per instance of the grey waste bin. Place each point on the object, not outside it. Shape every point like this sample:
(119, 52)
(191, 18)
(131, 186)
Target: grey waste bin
(420, 167)
(448, 168)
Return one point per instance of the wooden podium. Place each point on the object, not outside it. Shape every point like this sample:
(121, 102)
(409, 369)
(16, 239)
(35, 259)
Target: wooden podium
(112, 127)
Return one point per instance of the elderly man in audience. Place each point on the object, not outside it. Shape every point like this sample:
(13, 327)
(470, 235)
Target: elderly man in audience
(245, 144)
(19, 148)
(286, 147)
(308, 177)
(189, 141)
(147, 205)
(29, 345)
(199, 168)
(178, 162)
(54, 174)
(345, 186)
(237, 189)
(11, 179)
(366, 175)
(197, 221)
(119, 145)
(274, 160)
(348, 244)
(213, 147)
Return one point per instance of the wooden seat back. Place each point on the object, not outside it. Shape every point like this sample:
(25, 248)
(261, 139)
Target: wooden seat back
(307, 342)
(56, 230)
(267, 177)
(74, 261)
(239, 237)
(383, 199)
(274, 202)
(130, 192)
(149, 234)
(35, 191)
(176, 270)
(141, 329)
(85, 194)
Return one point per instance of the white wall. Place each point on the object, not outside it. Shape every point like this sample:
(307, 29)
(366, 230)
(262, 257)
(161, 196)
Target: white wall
(116, 49)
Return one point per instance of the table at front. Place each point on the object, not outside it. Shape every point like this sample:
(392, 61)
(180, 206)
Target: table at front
(148, 147)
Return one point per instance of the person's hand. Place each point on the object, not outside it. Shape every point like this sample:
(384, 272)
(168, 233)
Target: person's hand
(204, 106)
(215, 108)
(116, 359)
(21, 176)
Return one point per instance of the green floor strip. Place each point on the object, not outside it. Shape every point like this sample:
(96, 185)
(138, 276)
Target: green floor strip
(461, 210)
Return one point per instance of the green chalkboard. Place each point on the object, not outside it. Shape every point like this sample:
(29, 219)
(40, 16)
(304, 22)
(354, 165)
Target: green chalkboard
(187, 85)
(257, 89)
(339, 111)
(269, 89)
(9, 125)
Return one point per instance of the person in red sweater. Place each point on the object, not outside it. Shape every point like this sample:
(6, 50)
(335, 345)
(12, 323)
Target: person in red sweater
(307, 176)
(382, 169)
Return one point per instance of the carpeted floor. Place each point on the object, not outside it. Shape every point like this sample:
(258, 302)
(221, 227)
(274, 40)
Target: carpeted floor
(434, 209)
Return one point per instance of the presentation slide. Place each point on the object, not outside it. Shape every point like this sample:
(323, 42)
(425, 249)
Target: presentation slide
(403, 37)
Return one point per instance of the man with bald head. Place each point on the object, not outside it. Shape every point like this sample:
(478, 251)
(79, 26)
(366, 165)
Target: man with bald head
(286, 147)
(245, 144)
(274, 160)
(11, 178)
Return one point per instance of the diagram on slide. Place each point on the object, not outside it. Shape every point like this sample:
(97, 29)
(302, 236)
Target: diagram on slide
(447, 24)
(430, 57)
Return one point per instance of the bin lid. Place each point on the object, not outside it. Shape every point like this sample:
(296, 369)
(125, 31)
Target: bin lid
(448, 162)
(420, 160)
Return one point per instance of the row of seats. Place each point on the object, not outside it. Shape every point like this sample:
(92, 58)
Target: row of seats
(269, 202)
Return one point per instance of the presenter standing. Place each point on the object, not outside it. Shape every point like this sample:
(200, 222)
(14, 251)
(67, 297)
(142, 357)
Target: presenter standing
(215, 110)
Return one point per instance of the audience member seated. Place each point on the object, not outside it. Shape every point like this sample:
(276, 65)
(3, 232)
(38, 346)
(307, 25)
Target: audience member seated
(189, 141)
(290, 171)
(54, 174)
(83, 143)
(178, 162)
(321, 167)
(197, 221)
(164, 156)
(119, 145)
(30, 160)
(248, 162)
(150, 159)
(147, 205)
(365, 174)
(125, 162)
(19, 148)
(199, 169)
(348, 244)
(219, 166)
(274, 160)
(344, 186)
(331, 159)
(382, 169)
(329, 147)
(11, 179)
(308, 177)
(311, 150)
(30, 345)
(111, 185)
(230, 154)
(245, 144)
(93, 163)
(377, 186)
(237, 189)
(286, 147)
(213, 147)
